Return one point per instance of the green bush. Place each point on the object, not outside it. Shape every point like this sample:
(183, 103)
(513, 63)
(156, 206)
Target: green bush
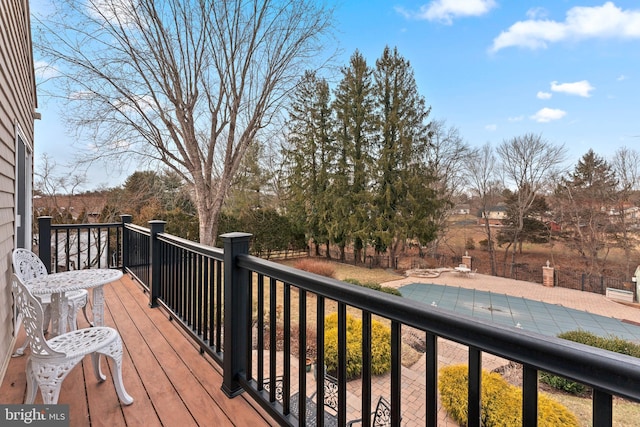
(562, 383)
(501, 403)
(612, 343)
(380, 346)
(470, 244)
(374, 286)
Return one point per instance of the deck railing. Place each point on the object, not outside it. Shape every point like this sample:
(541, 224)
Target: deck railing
(247, 313)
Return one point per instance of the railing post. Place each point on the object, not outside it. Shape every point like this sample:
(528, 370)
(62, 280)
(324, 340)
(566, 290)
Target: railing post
(156, 227)
(236, 300)
(126, 219)
(44, 241)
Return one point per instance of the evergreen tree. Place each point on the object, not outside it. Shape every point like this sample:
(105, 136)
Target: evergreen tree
(353, 107)
(585, 196)
(309, 157)
(405, 201)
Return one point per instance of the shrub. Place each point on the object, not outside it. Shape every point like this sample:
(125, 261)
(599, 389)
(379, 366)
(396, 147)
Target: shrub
(501, 403)
(322, 268)
(380, 346)
(562, 383)
(374, 286)
(470, 244)
(613, 343)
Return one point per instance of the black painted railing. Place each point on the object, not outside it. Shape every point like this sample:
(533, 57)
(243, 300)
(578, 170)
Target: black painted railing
(249, 314)
(64, 247)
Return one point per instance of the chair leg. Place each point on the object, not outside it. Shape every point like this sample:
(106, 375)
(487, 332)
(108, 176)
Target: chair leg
(84, 311)
(97, 370)
(116, 373)
(114, 352)
(32, 384)
(47, 318)
(72, 318)
(20, 351)
(49, 376)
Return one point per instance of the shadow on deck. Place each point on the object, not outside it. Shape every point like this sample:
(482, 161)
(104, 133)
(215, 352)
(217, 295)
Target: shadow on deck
(171, 382)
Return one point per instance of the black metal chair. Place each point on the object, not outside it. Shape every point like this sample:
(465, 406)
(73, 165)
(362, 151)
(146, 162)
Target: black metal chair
(381, 416)
(330, 392)
(279, 387)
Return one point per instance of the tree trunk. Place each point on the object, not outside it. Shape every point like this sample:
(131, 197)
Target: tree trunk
(490, 248)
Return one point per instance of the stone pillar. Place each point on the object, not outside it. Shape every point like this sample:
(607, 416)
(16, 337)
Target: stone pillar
(466, 259)
(548, 276)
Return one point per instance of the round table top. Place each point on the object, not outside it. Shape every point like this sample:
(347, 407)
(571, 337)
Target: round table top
(72, 280)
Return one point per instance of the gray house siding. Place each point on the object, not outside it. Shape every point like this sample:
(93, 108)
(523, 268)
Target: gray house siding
(17, 107)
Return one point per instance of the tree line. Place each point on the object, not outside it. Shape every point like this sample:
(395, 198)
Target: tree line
(357, 159)
(199, 87)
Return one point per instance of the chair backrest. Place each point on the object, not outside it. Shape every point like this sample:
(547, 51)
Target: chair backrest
(279, 389)
(382, 416)
(331, 392)
(32, 317)
(27, 265)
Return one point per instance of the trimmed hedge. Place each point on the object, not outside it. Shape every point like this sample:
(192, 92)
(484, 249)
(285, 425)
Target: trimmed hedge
(501, 403)
(380, 346)
(374, 286)
(612, 343)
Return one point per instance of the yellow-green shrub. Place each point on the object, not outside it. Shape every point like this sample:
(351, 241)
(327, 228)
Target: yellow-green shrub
(380, 346)
(501, 403)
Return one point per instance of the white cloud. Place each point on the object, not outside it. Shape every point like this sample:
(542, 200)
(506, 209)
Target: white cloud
(537, 12)
(491, 127)
(516, 119)
(447, 10)
(581, 88)
(121, 11)
(546, 115)
(44, 71)
(622, 77)
(81, 95)
(606, 21)
(543, 95)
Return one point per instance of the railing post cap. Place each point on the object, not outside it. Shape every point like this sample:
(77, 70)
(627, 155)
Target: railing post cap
(157, 221)
(236, 235)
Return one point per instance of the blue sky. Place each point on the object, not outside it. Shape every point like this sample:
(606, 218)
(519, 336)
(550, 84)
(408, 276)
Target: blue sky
(568, 70)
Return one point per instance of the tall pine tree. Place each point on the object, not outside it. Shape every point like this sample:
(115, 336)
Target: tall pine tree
(353, 106)
(309, 157)
(585, 197)
(404, 198)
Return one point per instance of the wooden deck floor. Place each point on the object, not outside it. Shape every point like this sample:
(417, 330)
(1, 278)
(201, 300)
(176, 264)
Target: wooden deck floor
(171, 383)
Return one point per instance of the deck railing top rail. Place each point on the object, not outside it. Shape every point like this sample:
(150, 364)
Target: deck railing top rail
(615, 372)
(212, 292)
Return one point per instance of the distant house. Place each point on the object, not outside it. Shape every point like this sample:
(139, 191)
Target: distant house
(77, 205)
(461, 210)
(17, 113)
(496, 215)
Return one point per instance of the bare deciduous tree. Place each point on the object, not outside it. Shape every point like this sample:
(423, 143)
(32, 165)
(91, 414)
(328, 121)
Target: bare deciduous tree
(185, 83)
(527, 163)
(483, 179)
(52, 184)
(626, 166)
(449, 159)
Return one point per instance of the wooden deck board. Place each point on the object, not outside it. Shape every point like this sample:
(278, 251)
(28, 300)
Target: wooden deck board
(170, 381)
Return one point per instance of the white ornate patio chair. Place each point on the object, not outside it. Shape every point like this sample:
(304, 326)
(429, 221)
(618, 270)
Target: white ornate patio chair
(51, 360)
(27, 266)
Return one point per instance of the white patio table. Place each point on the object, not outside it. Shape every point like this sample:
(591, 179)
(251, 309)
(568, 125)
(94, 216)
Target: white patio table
(462, 269)
(57, 284)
